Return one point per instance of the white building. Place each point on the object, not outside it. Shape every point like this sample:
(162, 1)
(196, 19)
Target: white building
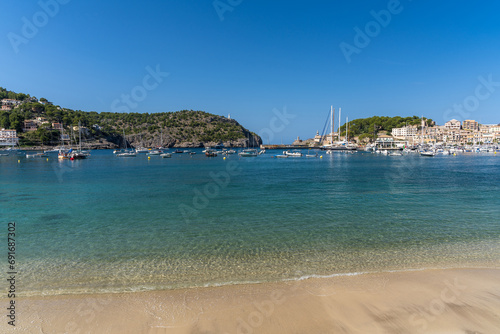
(405, 132)
(453, 124)
(495, 129)
(9, 104)
(8, 137)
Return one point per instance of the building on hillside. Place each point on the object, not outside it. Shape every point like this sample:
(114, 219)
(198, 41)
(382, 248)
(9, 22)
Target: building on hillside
(83, 129)
(9, 104)
(453, 124)
(30, 125)
(470, 125)
(57, 126)
(8, 137)
(40, 120)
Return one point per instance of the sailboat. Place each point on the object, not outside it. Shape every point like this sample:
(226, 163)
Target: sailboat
(126, 153)
(249, 152)
(63, 152)
(311, 155)
(79, 154)
(332, 121)
(424, 152)
(141, 149)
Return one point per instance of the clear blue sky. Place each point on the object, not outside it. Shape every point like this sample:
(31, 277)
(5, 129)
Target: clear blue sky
(263, 56)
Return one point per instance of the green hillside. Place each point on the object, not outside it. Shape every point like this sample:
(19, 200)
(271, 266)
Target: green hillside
(185, 128)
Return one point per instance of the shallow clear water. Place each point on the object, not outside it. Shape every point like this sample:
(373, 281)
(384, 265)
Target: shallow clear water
(126, 224)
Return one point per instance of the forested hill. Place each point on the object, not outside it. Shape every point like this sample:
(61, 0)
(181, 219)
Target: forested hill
(185, 128)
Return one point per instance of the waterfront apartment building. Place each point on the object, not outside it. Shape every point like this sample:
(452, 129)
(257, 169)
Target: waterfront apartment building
(495, 129)
(406, 132)
(8, 137)
(469, 124)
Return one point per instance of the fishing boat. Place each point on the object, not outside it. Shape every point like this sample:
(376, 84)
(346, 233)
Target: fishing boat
(64, 154)
(178, 151)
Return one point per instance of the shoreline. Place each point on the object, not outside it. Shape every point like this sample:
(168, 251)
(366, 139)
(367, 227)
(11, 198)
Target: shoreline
(464, 300)
(141, 288)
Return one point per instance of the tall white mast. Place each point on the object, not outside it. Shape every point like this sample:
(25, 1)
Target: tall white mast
(331, 116)
(79, 136)
(340, 112)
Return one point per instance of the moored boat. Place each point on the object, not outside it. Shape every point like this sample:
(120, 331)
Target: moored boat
(155, 152)
(428, 153)
(210, 153)
(37, 155)
(129, 154)
(249, 153)
(293, 154)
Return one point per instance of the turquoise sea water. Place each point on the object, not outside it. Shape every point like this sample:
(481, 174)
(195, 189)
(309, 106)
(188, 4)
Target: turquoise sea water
(128, 224)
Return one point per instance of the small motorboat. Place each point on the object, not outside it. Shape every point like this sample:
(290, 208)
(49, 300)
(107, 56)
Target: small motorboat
(211, 153)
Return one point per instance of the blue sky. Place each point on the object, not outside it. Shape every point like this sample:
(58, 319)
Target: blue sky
(261, 59)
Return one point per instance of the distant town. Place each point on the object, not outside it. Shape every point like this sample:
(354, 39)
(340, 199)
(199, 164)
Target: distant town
(453, 132)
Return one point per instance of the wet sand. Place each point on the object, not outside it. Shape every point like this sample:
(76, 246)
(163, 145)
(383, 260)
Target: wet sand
(428, 301)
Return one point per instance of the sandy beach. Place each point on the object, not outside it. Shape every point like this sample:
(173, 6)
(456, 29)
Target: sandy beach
(427, 301)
